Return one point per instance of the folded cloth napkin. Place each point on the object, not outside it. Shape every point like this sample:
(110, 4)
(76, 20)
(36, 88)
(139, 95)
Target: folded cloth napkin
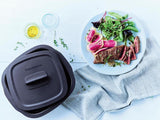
(97, 93)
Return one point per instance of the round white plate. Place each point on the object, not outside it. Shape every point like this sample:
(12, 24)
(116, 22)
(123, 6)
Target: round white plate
(105, 69)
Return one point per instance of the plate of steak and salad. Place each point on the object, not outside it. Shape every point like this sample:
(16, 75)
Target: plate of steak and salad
(113, 42)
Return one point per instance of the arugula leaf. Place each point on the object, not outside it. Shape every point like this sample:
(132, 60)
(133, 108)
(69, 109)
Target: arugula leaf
(121, 36)
(131, 38)
(125, 17)
(131, 28)
(130, 23)
(116, 15)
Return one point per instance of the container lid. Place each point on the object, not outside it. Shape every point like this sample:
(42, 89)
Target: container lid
(36, 79)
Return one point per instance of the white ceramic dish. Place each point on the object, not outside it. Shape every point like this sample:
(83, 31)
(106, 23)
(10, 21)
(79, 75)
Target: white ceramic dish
(105, 69)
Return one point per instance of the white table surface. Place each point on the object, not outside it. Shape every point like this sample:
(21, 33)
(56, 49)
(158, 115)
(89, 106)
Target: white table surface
(74, 14)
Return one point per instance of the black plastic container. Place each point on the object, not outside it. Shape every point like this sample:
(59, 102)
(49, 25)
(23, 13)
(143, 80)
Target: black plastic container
(38, 81)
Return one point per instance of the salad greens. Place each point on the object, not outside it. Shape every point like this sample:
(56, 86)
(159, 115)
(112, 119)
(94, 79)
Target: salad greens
(117, 27)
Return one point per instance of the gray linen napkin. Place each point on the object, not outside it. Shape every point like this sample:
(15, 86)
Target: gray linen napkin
(96, 93)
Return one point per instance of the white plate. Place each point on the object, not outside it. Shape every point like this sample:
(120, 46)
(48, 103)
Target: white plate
(105, 69)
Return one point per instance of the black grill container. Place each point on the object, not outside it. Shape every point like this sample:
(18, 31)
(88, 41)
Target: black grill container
(38, 81)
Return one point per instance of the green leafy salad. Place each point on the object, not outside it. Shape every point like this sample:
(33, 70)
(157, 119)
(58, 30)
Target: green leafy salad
(116, 27)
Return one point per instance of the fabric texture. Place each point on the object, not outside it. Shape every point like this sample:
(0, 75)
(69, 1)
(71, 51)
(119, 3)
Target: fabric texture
(97, 93)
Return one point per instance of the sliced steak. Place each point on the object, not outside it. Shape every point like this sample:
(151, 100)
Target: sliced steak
(125, 58)
(129, 57)
(123, 55)
(114, 54)
(137, 44)
(133, 57)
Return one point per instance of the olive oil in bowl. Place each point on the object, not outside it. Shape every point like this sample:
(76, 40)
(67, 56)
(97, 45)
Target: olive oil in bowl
(32, 31)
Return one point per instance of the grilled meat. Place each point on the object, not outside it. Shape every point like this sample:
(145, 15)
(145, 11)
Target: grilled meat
(114, 54)
(133, 57)
(122, 52)
(137, 44)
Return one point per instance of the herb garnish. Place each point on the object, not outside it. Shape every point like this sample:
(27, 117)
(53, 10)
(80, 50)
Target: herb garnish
(71, 57)
(55, 43)
(71, 60)
(117, 63)
(83, 88)
(54, 40)
(16, 48)
(114, 63)
(20, 43)
(126, 53)
(106, 60)
(54, 37)
(63, 43)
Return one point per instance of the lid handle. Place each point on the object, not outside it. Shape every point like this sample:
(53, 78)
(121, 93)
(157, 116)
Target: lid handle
(35, 77)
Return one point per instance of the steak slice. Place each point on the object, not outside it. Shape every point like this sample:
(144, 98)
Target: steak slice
(133, 57)
(129, 57)
(113, 53)
(123, 55)
(137, 44)
(125, 58)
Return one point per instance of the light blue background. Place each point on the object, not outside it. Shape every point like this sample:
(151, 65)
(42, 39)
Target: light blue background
(74, 14)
